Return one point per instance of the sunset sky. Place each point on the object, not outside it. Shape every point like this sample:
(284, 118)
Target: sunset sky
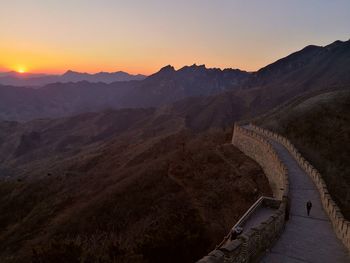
(141, 36)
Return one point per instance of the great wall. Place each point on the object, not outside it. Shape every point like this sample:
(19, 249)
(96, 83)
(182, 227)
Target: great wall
(286, 234)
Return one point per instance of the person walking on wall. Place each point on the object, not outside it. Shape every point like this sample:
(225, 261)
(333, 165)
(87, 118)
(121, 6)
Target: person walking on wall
(308, 207)
(236, 232)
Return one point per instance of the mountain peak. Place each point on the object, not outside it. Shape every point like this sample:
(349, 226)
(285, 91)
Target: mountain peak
(193, 68)
(198, 66)
(168, 68)
(310, 47)
(163, 72)
(70, 72)
(337, 43)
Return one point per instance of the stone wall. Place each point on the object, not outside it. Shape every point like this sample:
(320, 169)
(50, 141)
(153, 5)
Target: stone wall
(260, 150)
(250, 246)
(340, 224)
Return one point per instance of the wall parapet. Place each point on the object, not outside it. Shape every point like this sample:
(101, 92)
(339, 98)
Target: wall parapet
(341, 226)
(260, 149)
(252, 244)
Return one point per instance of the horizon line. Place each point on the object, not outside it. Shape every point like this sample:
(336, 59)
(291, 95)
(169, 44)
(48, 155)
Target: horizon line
(62, 72)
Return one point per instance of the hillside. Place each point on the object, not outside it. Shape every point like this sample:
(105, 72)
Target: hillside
(319, 126)
(129, 186)
(313, 68)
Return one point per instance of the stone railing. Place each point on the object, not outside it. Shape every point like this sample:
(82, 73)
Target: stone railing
(263, 201)
(252, 244)
(341, 226)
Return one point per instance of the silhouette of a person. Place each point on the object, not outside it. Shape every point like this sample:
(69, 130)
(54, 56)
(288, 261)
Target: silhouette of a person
(308, 207)
(236, 232)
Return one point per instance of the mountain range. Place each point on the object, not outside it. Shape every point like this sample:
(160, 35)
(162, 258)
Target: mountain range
(312, 68)
(163, 87)
(37, 80)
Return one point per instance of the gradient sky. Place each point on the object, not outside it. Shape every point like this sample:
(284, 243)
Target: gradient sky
(142, 36)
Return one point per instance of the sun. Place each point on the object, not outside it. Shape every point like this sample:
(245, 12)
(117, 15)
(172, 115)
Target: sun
(21, 70)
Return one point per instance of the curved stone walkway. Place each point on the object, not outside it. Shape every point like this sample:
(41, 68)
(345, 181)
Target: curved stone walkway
(305, 239)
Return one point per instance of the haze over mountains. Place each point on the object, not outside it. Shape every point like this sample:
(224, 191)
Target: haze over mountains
(36, 80)
(165, 86)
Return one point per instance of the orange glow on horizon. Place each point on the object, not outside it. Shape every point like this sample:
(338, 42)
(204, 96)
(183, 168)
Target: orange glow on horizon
(91, 69)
